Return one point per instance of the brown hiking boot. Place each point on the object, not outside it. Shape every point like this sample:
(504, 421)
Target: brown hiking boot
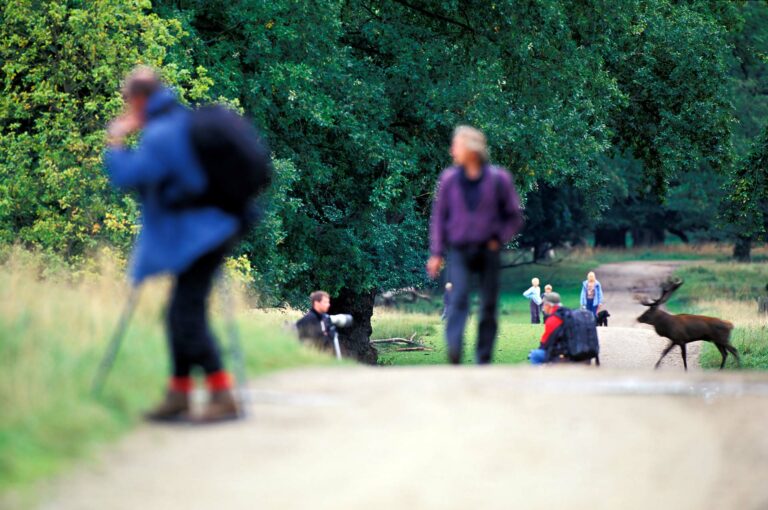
(223, 406)
(175, 407)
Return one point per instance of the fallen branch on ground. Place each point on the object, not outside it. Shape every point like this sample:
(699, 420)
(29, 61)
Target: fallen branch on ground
(399, 340)
(410, 349)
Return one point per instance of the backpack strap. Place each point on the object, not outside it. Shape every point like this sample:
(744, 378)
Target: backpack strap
(557, 336)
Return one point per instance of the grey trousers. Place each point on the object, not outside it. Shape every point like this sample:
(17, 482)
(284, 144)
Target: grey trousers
(463, 263)
(535, 312)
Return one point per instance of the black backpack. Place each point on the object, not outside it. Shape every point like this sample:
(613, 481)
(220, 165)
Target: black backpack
(234, 157)
(579, 334)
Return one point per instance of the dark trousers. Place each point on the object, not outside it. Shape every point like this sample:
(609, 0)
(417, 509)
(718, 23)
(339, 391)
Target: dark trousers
(463, 263)
(191, 341)
(535, 309)
(591, 306)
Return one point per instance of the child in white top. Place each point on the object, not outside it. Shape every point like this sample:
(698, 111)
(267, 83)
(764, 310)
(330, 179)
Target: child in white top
(533, 294)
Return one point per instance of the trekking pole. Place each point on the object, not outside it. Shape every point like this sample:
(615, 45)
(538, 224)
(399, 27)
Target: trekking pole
(236, 347)
(336, 346)
(108, 360)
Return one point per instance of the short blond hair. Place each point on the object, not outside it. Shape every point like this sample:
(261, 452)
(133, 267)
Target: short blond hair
(473, 139)
(535, 282)
(548, 288)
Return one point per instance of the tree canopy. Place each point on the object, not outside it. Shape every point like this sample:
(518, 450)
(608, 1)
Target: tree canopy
(592, 105)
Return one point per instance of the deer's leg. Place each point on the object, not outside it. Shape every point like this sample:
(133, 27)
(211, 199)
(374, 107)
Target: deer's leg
(684, 354)
(723, 353)
(733, 351)
(664, 353)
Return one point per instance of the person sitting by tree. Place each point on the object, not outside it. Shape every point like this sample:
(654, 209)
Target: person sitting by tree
(552, 330)
(533, 294)
(316, 326)
(591, 294)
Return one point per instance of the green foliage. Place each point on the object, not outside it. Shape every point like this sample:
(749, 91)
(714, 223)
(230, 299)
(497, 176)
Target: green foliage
(670, 61)
(360, 107)
(62, 66)
(750, 73)
(358, 100)
(748, 192)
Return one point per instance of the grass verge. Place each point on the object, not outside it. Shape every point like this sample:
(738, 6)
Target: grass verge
(53, 332)
(512, 346)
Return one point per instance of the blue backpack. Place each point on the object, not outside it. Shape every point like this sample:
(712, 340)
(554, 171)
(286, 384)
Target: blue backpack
(579, 335)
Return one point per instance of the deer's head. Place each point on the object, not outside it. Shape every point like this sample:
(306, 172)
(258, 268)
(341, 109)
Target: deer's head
(667, 289)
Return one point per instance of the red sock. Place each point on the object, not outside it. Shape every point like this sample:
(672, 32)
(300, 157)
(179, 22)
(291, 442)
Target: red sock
(218, 381)
(182, 384)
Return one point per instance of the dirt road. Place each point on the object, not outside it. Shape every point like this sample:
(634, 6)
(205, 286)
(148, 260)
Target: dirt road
(458, 438)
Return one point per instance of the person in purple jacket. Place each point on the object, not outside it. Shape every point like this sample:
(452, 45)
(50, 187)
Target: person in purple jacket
(475, 212)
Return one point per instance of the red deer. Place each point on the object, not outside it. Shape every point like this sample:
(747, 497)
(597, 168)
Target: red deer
(684, 328)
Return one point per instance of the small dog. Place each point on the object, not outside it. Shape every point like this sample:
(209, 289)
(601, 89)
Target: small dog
(602, 318)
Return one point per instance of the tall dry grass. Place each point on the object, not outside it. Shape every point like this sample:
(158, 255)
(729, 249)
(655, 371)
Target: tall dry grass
(54, 328)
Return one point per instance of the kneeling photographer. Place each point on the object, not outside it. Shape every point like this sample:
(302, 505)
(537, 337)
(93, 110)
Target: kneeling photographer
(318, 327)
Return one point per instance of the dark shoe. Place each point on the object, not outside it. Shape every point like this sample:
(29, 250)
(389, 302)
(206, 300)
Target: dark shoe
(174, 408)
(223, 406)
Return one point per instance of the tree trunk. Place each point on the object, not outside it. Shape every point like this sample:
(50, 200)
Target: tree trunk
(356, 340)
(645, 236)
(540, 251)
(742, 249)
(611, 237)
(679, 233)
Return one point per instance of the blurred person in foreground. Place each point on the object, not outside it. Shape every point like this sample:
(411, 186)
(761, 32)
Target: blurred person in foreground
(184, 232)
(475, 212)
(551, 336)
(316, 326)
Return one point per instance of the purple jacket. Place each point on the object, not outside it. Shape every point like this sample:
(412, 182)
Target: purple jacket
(498, 215)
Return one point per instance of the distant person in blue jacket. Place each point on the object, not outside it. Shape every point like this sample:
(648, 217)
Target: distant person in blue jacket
(179, 237)
(591, 294)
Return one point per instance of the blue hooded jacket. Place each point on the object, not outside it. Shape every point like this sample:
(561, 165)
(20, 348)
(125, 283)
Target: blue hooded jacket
(598, 294)
(164, 170)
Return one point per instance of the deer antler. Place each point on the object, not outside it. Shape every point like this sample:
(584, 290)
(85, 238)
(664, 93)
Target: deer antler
(644, 299)
(668, 288)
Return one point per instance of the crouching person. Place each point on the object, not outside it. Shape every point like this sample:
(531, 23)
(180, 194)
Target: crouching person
(182, 233)
(316, 326)
(552, 330)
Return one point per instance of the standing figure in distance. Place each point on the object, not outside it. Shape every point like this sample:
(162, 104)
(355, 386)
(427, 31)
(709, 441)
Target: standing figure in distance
(533, 294)
(475, 212)
(591, 294)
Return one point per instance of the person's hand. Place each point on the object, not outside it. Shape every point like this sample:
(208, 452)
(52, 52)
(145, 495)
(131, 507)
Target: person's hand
(434, 264)
(494, 245)
(121, 127)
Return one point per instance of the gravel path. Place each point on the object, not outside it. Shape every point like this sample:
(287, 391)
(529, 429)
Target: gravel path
(458, 438)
